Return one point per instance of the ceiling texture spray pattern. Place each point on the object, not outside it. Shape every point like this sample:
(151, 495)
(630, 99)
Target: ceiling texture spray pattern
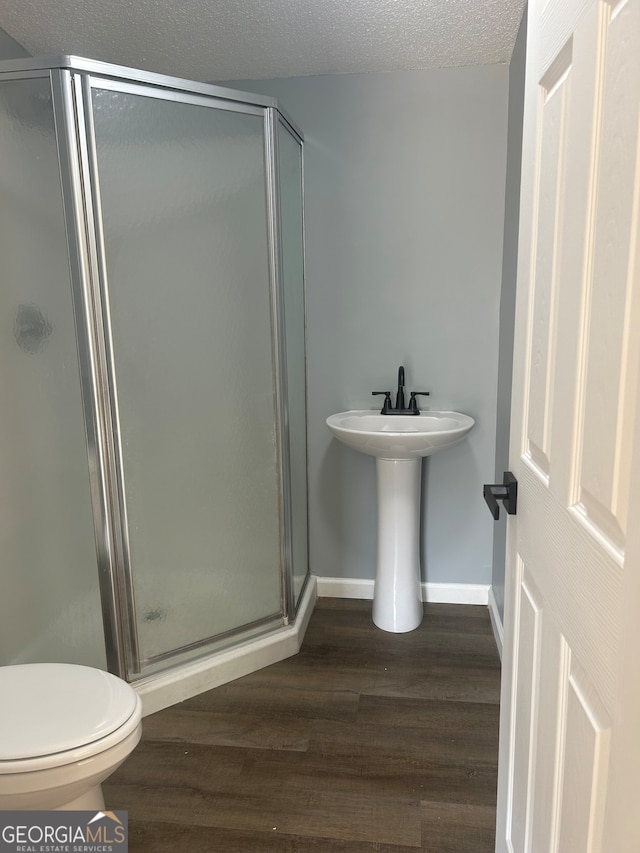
(232, 39)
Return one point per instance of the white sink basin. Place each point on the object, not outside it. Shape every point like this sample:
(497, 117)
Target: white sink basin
(399, 436)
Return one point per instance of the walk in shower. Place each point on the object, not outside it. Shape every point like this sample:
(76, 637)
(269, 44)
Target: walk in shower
(152, 365)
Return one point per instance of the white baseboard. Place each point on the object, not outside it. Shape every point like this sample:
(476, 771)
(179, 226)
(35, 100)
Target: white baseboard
(345, 588)
(455, 593)
(165, 689)
(440, 593)
(496, 622)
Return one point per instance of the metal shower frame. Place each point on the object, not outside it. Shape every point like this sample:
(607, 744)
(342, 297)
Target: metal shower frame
(72, 79)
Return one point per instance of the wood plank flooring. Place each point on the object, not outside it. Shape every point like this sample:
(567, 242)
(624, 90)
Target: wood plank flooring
(364, 741)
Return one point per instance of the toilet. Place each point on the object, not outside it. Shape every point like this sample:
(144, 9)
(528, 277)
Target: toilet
(64, 729)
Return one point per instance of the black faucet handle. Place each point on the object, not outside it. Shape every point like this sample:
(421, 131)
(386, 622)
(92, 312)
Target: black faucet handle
(386, 406)
(413, 403)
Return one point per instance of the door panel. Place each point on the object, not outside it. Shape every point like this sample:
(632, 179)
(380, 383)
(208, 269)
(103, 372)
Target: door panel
(609, 352)
(542, 332)
(530, 617)
(554, 675)
(585, 760)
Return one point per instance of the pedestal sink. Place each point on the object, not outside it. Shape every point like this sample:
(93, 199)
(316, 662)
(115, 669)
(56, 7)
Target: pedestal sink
(399, 442)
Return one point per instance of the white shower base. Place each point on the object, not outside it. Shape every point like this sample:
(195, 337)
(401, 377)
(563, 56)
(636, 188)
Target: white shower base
(168, 688)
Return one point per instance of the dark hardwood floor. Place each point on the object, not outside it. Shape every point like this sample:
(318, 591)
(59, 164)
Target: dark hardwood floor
(364, 741)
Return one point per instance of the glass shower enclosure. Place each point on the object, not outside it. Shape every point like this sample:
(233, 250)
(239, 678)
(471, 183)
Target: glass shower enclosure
(152, 357)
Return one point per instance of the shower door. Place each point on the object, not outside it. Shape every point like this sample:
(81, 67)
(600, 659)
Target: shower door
(179, 186)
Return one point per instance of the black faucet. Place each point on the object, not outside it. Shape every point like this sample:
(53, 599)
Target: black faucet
(400, 394)
(400, 409)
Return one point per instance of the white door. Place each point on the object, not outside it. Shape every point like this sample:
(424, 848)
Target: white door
(569, 778)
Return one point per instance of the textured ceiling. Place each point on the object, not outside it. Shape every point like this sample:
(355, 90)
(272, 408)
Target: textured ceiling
(233, 39)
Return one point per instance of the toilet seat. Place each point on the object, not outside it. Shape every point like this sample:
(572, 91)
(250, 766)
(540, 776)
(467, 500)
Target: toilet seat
(56, 714)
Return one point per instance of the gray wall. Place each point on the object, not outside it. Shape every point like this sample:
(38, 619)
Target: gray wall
(508, 297)
(9, 47)
(405, 177)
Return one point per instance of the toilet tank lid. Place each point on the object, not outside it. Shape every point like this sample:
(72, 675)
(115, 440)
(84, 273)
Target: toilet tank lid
(47, 708)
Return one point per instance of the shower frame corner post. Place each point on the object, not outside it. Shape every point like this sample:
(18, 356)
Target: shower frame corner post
(297, 134)
(274, 220)
(275, 121)
(70, 111)
(306, 361)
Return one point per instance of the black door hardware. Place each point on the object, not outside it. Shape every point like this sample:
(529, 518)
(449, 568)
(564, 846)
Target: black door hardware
(507, 493)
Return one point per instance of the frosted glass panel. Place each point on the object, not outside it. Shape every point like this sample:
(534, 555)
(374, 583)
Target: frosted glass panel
(290, 166)
(50, 604)
(184, 207)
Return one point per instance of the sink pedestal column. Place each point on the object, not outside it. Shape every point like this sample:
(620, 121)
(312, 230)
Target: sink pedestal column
(397, 602)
